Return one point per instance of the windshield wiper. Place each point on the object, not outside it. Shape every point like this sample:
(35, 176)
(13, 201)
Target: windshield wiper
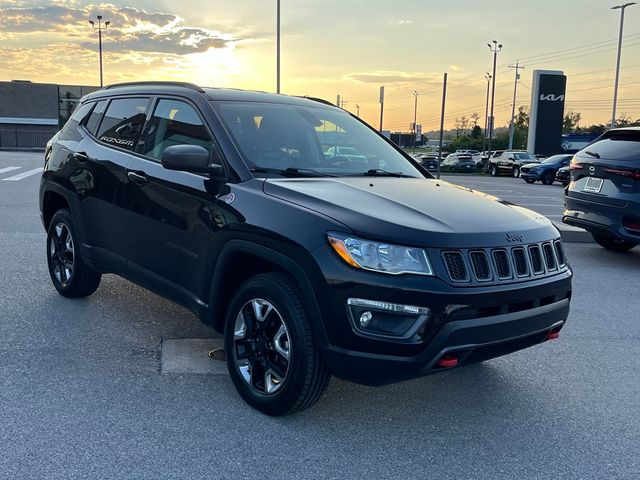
(291, 172)
(378, 172)
(593, 154)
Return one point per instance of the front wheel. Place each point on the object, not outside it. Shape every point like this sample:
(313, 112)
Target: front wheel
(68, 272)
(529, 180)
(272, 356)
(516, 172)
(494, 171)
(614, 244)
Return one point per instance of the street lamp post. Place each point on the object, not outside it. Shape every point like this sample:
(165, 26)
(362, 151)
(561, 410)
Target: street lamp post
(100, 28)
(415, 120)
(487, 77)
(278, 47)
(495, 47)
(512, 126)
(615, 85)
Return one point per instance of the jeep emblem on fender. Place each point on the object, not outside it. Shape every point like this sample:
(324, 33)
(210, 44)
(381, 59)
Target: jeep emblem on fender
(515, 237)
(592, 170)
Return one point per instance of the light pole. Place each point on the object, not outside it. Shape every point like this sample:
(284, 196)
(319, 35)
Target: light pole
(357, 110)
(487, 77)
(615, 85)
(415, 120)
(495, 47)
(100, 28)
(512, 128)
(278, 47)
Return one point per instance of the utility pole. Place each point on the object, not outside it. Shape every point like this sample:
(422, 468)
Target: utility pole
(615, 85)
(512, 128)
(381, 106)
(100, 28)
(444, 99)
(415, 120)
(487, 77)
(338, 102)
(277, 46)
(495, 47)
(357, 110)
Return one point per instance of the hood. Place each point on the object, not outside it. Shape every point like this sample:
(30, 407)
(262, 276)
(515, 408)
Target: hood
(532, 165)
(414, 211)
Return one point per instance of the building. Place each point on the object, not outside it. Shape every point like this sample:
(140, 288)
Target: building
(31, 113)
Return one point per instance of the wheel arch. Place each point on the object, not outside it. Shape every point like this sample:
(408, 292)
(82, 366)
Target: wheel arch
(239, 260)
(53, 199)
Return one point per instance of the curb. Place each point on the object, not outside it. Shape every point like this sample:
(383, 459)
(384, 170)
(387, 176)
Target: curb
(570, 234)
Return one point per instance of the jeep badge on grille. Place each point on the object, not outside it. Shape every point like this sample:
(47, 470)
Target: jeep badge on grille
(515, 237)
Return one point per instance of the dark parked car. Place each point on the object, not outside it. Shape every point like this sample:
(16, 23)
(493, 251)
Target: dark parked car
(510, 162)
(604, 194)
(564, 176)
(544, 171)
(225, 201)
(430, 162)
(458, 163)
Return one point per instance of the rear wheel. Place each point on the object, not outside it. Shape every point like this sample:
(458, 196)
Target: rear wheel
(69, 274)
(516, 171)
(272, 357)
(613, 243)
(548, 178)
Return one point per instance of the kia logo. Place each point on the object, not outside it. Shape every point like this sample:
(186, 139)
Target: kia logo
(552, 98)
(592, 170)
(515, 237)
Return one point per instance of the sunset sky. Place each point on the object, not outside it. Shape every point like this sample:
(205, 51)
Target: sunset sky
(330, 47)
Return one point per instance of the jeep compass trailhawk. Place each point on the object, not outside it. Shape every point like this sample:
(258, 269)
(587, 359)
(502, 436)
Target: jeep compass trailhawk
(243, 207)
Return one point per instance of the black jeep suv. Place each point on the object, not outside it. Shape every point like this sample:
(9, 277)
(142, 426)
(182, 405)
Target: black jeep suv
(236, 205)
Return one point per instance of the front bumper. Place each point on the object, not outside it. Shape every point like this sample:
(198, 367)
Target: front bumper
(469, 341)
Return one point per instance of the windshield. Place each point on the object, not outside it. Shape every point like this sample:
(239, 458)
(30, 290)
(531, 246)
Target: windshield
(523, 156)
(325, 141)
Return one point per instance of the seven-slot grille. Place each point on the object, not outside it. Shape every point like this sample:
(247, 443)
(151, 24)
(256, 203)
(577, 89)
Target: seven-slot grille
(505, 263)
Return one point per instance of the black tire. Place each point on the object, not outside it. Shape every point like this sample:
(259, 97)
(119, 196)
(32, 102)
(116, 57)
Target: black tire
(494, 171)
(305, 376)
(68, 272)
(516, 172)
(529, 180)
(613, 243)
(548, 178)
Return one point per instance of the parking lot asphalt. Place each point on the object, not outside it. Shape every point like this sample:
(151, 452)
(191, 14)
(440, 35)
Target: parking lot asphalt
(82, 393)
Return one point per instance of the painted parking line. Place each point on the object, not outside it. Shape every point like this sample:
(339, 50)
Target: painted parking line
(22, 175)
(8, 169)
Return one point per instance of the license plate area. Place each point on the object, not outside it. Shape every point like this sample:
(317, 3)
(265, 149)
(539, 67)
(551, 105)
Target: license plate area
(593, 185)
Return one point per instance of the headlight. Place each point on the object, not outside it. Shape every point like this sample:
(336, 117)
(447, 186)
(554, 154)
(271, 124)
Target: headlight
(380, 256)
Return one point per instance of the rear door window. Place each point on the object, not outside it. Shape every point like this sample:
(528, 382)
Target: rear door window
(96, 115)
(123, 121)
(616, 145)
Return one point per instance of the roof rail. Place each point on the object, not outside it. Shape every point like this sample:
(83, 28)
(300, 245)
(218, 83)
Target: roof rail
(162, 83)
(319, 100)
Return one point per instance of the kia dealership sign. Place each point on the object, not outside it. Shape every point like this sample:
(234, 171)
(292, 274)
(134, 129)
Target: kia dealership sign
(547, 112)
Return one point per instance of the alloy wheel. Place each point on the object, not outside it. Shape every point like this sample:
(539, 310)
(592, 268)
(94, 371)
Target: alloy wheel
(61, 253)
(262, 346)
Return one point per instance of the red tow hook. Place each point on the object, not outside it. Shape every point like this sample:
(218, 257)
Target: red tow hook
(553, 336)
(448, 362)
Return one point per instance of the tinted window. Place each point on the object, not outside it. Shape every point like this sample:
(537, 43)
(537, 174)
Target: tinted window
(123, 122)
(557, 159)
(96, 115)
(616, 145)
(174, 123)
(70, 130)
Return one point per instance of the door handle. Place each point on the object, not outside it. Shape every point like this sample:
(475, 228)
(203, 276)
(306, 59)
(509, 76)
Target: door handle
(80, 156)
(137, 178)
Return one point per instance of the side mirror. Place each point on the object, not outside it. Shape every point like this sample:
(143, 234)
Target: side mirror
(192, 158)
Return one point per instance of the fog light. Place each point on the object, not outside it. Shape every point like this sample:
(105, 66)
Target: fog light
(365, 319)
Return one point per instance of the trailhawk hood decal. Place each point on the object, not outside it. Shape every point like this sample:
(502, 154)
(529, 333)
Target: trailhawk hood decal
(416, 211)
